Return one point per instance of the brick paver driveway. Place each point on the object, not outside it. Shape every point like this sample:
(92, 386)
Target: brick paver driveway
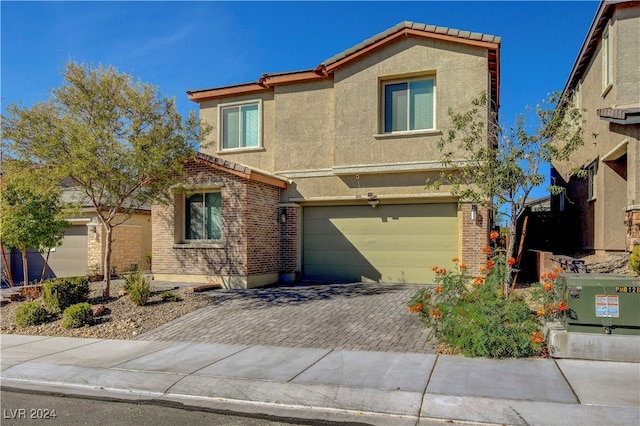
(359, 316)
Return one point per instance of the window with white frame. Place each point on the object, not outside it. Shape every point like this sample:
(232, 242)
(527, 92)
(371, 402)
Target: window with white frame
(592, 169)
(240, 125)
(606, 59)
(203, 216)
(408, 105)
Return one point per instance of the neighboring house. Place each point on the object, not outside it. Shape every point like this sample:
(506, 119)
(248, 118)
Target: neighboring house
(82, 247)
(604, 208)
(320, 174)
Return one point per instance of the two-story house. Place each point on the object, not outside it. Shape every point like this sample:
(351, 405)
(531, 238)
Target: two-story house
(320, 174)
(604, 208)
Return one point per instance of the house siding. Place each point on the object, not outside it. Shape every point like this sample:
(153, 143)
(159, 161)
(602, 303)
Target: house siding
(602, 224)
(325, 136)
(213, 264)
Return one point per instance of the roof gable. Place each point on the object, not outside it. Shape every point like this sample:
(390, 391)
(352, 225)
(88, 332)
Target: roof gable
(241, 170)
(325, 69)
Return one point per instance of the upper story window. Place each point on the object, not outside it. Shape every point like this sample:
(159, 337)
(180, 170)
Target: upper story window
(408, 105)
(240, 125)
(592, 169)
(203, 216)
(606, 60)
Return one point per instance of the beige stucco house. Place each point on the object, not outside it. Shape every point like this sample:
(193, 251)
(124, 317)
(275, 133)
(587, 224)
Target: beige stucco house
(83, 244)
(604, 208)
(320, 174)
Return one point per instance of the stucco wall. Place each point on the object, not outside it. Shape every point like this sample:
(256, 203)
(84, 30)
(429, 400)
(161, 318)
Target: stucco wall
(601, 220)
(310, 128)
(460, 73)
(262, 157)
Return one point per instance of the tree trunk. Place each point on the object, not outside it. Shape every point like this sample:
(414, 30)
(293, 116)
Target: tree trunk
(511, 246)
(25, 268)
(6, 266)
(107, 260)
(44, 267)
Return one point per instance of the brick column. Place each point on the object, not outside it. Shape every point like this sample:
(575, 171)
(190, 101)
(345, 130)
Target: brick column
(94, 249)
(474, 235)
(289, 242)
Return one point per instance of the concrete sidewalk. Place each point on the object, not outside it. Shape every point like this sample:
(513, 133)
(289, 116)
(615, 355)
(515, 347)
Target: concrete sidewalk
(337, 385)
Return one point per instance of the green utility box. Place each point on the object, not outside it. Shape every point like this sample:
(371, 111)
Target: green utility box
(602, 303)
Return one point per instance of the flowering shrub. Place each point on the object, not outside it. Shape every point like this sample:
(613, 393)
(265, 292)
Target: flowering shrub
(472, 315)
(548, 300)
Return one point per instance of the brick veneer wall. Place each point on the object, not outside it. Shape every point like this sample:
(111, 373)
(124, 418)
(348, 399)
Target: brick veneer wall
(261, 219)
(249, 243)
(474, 235)
(126, 248)
(289, 242)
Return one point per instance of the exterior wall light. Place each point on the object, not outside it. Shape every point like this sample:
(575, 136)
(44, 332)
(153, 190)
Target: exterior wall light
(474, 212)
(283, 216)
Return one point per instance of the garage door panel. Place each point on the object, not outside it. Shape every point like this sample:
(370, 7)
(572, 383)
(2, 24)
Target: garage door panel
(389, 243)
(70, 259)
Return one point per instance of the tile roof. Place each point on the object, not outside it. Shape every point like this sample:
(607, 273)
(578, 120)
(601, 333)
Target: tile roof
(327, 67)
(402, 26)
(242, 170)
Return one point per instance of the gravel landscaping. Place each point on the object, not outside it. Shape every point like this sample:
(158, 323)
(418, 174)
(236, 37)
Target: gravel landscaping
(122, 319)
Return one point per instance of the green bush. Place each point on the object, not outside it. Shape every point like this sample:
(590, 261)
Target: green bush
(169, 296)
(60, 293)
(138, 287)
(77, 315)
(473, 316)
(30, 313)
(634, 260)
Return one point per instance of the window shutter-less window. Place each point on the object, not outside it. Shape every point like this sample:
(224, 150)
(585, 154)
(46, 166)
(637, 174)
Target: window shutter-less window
(250, 125)
(194, 215)
(421, 104)
(213, 216)
(395, 107)
(230, 128)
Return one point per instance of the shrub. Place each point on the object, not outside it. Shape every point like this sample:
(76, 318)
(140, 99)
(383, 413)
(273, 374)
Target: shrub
(77, 315)
(634, 260)
(547, 298)
(169, 296)
(138, 287)
(473, 316)
(30, 313)
(60, 293)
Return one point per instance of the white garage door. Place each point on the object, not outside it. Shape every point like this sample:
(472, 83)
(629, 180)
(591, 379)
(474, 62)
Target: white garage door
(391, 243)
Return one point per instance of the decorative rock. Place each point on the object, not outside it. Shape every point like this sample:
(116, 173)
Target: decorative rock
(99, 310)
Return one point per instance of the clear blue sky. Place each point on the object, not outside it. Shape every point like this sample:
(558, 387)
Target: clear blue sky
(178, 46)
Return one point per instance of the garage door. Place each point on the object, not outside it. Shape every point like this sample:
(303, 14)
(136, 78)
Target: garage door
(70, 259)
(391, 243)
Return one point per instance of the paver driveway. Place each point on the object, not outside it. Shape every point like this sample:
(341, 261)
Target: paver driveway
(359, 316)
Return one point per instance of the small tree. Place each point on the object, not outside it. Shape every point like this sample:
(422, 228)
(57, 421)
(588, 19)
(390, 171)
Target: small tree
(498, 167)
(32, 211)
(118, 140)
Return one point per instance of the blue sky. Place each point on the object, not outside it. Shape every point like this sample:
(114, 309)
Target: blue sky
(178, 46)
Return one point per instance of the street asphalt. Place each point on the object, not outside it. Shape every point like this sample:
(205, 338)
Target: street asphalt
(321, 378)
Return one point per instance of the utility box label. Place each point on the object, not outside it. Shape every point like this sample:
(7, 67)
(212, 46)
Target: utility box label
(607, 306)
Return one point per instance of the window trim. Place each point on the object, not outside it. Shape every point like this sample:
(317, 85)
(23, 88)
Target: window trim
(383, 106)
(183, 241)
(592, 171)
(607, 65)
(239, 104)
